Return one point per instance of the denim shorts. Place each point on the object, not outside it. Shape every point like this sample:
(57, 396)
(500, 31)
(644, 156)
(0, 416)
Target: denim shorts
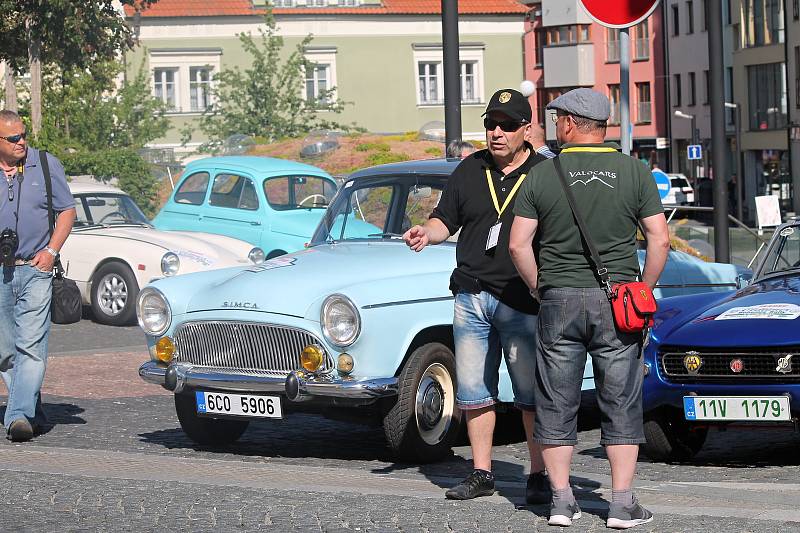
(573, 322)
(484, 328)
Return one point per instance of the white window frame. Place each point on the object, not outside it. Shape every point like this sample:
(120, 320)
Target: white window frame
(349, 3)
(203, 85)
(159, 75)
(283, 3)
(182, 61)
(325, 57)
(433, 54)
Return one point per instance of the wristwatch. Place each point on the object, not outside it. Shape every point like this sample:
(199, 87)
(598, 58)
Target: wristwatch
(51, 251)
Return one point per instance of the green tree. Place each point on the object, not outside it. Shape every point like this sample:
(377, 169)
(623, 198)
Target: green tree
(266, 99)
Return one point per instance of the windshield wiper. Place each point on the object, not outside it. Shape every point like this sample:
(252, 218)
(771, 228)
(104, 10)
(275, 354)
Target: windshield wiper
(384, 235)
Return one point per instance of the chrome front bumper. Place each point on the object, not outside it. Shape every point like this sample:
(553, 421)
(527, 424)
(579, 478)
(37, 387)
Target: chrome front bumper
(297, 386)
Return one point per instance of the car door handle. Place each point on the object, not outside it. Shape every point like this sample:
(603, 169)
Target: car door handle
(255, 223)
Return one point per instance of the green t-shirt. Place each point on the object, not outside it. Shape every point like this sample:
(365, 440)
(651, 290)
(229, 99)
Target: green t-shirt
(612, 191)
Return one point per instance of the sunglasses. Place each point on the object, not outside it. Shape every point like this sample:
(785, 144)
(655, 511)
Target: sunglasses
(14, 139)
(505, 125)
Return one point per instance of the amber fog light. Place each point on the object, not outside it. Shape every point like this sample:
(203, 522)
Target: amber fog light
(345, 363)
(311, 358)
(165, 349)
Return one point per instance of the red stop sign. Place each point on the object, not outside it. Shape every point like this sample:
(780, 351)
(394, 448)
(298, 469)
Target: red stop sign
(619, 13)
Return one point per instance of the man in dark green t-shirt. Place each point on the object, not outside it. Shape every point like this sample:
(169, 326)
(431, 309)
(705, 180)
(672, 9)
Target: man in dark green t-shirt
(613, 193)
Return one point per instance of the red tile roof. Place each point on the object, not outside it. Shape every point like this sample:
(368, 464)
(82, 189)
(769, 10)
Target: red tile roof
(223, 8)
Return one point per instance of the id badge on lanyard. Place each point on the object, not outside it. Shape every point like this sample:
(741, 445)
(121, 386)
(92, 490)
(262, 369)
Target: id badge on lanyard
(494, 231)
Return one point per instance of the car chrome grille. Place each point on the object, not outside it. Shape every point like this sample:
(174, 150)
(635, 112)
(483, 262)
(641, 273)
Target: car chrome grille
(759, 364)
(244, 347)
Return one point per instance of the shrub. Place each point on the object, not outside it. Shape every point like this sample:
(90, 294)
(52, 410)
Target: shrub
(378, 146)
(434, 150)
(381, 158)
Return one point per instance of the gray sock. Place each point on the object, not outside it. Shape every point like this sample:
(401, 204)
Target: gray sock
(622, 497)
(564, 495)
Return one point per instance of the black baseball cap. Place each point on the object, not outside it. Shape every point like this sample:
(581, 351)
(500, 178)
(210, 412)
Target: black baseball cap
(511, 103)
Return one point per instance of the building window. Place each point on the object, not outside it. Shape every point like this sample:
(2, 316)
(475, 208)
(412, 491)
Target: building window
(707, 84)
(283, 3)
(641, 41)
(728, 13)
(796, 9)
(318, 83)
(692, 89)
(676, 101)
(797, 77)
(766, 86)
(704, 7)
(730, 114)
(164, 87)
(316, 3)
(612, 45)
(676, 21)
(199, 88)
(566, 35)
(643, 104)
(546, 95)
(689, 17)
(762, 22)
(349, 3)
(539, 50)
(613, 98)
(430, 75)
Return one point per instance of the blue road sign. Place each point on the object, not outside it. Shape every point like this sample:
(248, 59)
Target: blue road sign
(662, 183)
(694, 151)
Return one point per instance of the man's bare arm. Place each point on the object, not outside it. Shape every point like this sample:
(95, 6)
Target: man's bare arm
(521, 250)
(656, 233)
(433, 231)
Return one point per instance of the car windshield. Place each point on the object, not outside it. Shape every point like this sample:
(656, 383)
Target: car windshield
(299, 192)
(783, 254)
(379, 209)
(680, 182)
(107, 209)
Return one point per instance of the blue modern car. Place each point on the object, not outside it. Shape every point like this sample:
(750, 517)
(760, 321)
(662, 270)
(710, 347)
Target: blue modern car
(356, 322)
(274, 204)
(718, 359)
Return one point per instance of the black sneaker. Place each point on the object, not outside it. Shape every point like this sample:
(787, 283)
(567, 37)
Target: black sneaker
(537, 490)
(478, 483)
(563, 513)
(620, 517)
(20, 430)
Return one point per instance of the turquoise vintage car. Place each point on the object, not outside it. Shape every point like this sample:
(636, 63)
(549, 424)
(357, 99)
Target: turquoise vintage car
(274, 204)
(356, 321)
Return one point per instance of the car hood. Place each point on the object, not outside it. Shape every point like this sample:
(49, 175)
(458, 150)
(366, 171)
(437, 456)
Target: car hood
(191, 246)
(289, 284)
(297, 222)
(767, 312)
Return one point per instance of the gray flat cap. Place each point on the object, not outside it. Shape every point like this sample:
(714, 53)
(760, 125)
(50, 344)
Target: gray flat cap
(584, 102)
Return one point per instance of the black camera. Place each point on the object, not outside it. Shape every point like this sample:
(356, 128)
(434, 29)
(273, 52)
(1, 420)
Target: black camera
(8, 246)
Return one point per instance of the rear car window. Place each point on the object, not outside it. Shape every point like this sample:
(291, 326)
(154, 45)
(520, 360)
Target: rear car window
(234, 191)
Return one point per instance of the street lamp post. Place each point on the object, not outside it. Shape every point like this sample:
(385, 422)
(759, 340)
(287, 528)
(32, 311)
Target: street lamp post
(739, 159)
(695, 140)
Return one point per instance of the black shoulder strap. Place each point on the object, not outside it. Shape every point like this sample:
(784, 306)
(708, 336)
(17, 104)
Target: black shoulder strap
(49, 187)
(602, 271)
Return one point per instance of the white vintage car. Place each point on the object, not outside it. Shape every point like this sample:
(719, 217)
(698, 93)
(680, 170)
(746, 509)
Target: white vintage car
(113, 250)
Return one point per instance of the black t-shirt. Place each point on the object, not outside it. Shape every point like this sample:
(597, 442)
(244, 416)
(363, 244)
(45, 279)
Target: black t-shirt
(466, 204)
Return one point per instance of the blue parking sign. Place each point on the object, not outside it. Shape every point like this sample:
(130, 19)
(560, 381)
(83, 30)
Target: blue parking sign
(694, 151)
(662, 183)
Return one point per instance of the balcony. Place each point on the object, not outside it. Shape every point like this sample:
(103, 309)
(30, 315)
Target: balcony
(569, 66)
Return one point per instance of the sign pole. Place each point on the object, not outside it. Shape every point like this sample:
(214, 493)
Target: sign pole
(719, 146)
(452, 71)
(624, 90)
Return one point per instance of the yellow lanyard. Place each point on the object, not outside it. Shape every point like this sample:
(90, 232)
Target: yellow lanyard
(588, 149)
(510, 195)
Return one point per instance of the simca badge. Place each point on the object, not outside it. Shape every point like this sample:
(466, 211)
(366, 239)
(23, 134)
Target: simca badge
(504, 97)
(737, 365)
(692, 362)
(785, 364)
(644, 294)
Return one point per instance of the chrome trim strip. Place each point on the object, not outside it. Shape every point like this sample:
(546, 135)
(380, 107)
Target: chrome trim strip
(408, 302)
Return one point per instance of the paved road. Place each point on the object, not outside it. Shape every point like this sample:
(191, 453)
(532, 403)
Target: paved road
(116, 460)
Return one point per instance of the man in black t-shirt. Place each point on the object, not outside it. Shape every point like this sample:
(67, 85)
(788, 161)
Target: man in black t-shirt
(494, 311)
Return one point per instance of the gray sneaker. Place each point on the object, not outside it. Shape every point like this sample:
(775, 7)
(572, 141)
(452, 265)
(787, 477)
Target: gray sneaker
(620, 517)
(563, 513)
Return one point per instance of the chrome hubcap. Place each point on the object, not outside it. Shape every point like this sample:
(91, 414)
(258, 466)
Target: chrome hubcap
(435, 401)
(112, 294)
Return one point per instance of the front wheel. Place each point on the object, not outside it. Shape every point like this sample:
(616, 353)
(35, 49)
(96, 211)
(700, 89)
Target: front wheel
(423, 424)
(206, 430)
(672, 439)
(114, 291)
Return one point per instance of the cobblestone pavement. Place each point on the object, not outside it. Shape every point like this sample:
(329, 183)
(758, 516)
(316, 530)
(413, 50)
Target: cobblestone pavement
(116, 460)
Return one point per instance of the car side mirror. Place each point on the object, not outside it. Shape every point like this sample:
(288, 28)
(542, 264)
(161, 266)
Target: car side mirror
(743, 280)
(420, 193)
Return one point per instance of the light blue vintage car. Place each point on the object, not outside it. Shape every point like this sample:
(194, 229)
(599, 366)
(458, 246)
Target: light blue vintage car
(355, 321)
(274, 204)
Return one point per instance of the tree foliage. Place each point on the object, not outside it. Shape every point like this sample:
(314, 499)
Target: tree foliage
(267, 99)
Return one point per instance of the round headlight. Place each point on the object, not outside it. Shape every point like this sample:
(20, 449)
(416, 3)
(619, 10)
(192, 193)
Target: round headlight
(153, 312)
(341, 323)
(256, 256)
(170, 264)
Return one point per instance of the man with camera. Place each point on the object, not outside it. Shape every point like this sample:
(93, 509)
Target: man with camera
(28, 252)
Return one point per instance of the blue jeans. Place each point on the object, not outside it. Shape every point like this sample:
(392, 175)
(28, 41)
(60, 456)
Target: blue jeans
(25, 294)
(483, 327)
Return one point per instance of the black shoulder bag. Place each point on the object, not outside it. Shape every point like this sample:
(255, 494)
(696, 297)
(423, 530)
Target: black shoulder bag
(66, 304)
